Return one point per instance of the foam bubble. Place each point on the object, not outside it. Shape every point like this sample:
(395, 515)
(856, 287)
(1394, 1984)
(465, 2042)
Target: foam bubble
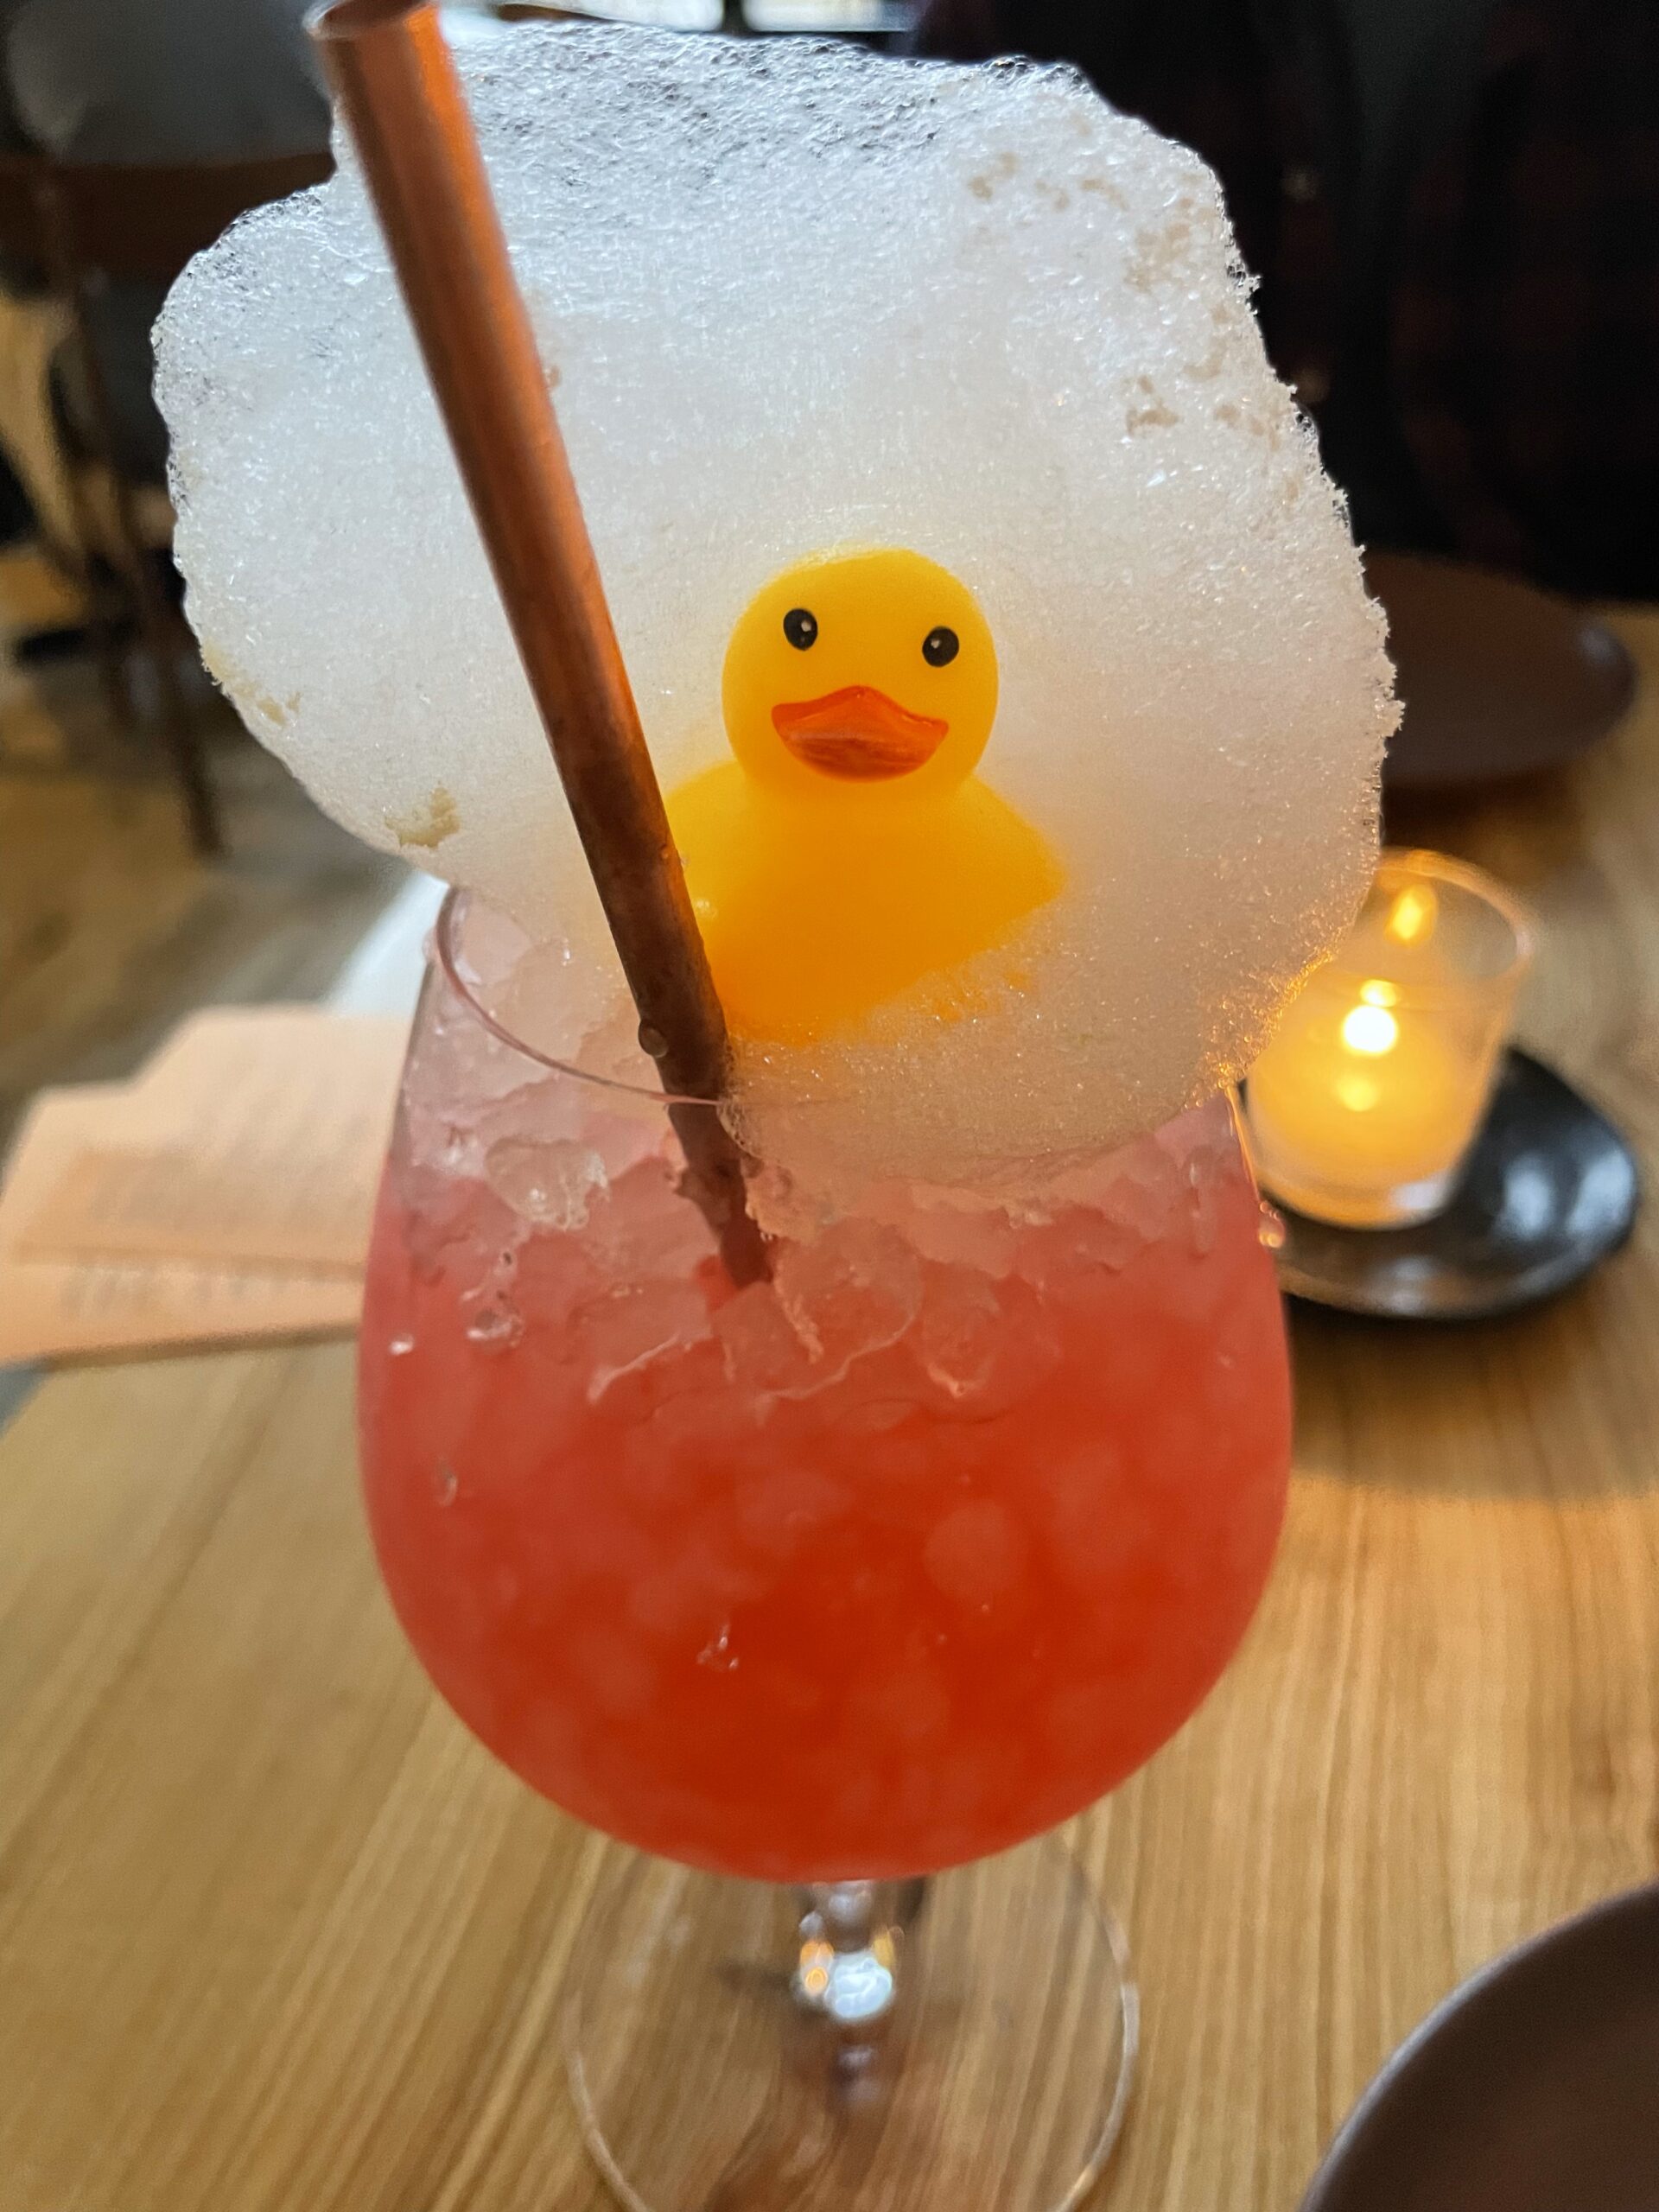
(798, 296)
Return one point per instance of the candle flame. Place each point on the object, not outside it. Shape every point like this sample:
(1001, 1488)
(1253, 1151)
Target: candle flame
(1369, 1029)
(1412, 916)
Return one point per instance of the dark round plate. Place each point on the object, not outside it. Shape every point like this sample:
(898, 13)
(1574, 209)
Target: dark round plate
(1499, 678)
(1549, 1189)
(1535, 2087)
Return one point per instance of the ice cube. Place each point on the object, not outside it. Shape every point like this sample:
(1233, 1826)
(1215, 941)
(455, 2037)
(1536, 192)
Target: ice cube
(985, 1346)
(635, 1323)
(643, 1227)
(549, 1183)
(764, 1354)
(957, 1228)
(854, 1289)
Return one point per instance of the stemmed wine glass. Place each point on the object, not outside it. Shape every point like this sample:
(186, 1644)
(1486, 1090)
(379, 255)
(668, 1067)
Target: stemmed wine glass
(812, 1589)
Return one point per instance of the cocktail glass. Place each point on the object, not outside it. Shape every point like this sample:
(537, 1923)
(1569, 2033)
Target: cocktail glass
(812, 1589)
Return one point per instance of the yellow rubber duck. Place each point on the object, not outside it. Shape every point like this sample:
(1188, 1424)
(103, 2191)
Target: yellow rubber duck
(849, 850)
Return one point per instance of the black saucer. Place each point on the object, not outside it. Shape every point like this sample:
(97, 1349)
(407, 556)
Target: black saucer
(1535, 2087)
(1498, 678)
(1549, 1189)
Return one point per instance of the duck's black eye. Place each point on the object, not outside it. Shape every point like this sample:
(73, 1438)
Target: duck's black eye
(940, 647)
(801, 628)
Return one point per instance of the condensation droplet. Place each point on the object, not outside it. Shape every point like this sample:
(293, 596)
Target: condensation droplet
(445, 1484)
(718, 1653)
(399, 1347)
(1271, 1229)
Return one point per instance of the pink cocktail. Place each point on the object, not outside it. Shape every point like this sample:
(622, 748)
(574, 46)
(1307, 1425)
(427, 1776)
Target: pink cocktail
(906, 1555)
(885, 1565)
(835, 1580)
(881, 1565)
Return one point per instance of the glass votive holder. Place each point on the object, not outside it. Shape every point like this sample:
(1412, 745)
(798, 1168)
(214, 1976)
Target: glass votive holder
(1375, 1085)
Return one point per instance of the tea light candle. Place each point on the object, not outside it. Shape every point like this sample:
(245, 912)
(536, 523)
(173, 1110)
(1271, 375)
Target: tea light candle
(1371, 1091)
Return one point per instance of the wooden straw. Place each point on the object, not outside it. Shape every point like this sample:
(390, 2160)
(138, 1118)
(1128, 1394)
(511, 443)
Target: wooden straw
(398, 89)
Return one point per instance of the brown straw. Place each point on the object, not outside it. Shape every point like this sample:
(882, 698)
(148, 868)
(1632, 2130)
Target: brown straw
(400, 93)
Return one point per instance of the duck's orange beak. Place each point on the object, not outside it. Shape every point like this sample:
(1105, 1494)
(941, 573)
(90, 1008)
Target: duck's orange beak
(858, 733)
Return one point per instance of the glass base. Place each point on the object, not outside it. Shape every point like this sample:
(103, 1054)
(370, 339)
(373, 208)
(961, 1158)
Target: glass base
(965, 2043)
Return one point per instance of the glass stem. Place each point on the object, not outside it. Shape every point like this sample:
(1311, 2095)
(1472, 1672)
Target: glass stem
(850, 1939)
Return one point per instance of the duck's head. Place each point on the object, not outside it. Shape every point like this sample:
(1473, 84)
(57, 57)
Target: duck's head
(861, 678)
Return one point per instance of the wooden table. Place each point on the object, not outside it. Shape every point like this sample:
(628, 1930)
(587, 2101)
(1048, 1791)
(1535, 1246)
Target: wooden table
(275, 1936)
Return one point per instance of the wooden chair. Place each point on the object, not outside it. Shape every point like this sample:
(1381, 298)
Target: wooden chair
(79, 224)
